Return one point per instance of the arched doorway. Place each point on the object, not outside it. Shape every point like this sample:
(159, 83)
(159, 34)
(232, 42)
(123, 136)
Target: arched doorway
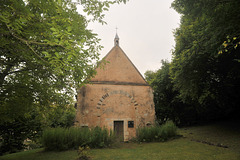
(118, 112)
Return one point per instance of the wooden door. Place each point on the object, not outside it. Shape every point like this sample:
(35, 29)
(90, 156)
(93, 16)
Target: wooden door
(118, 129)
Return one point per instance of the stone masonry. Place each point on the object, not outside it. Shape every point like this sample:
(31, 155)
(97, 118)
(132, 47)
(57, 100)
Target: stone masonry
(117, 98)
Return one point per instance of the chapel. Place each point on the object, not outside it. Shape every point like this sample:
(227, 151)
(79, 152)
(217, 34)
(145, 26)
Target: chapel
(118, 97)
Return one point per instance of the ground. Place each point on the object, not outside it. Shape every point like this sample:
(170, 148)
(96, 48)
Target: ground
(224, 134)
(215, 141)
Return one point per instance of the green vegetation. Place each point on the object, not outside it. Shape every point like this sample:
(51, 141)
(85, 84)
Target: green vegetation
(59, 139)
(202, 81)
(223, 134)
(39, 154)
(192, 146)
(31, 125)
(180, 149)
(157, 133)
(198, 71)
(168, 105)
(46, 50)
(83, 153)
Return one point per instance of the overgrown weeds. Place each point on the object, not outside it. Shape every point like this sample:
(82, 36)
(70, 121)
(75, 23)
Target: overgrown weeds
(157, 133)
(59, 139)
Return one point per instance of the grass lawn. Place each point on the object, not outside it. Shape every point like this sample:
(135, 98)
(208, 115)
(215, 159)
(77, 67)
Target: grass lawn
(39, 154)
(192, 146)
(178, 149)
(218, 133)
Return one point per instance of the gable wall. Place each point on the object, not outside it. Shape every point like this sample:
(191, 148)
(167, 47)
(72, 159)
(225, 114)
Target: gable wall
(119, 69)
(102, 104)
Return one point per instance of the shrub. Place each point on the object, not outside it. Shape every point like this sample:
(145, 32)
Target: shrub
(157, 133)
(83, 153)
(168, 130)
(59, 139)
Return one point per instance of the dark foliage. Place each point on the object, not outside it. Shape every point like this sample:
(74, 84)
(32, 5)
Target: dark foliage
(157, 133)
(59, 139)
(12, 134)
(202, 81)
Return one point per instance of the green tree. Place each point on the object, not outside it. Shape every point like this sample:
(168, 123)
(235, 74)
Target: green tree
(60, 116)
(205, 65)
(46, 50)
(149, 76)
(168, 105)
(14, 132)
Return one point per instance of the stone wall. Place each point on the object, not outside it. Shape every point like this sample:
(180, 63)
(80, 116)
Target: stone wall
(102, 104)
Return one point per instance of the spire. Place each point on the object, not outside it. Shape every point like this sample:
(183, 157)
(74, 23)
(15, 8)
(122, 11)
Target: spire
(116, 39)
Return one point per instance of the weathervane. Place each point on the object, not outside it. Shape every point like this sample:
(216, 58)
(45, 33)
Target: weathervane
(116, 29)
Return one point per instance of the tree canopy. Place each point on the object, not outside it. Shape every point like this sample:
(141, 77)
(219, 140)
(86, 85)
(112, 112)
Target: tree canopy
(205, 63)
(168, 104)
(46, 50)
(205, 69)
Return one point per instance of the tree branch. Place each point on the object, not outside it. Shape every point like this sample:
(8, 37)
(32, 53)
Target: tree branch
(33, 42)
(20, 70)
(4, 74)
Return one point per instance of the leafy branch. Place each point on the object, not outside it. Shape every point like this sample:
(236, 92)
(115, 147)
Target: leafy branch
(229, 44)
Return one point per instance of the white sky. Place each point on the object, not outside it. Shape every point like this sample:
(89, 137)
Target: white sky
(145, 29)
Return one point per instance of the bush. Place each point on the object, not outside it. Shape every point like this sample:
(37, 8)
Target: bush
(157, 133)
(59, 139)
(83, 153)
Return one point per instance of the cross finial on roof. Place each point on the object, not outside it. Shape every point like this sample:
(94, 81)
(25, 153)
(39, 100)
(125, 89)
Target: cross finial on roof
(116, 39)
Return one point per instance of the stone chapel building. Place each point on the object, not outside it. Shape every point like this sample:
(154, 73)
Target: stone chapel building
(117, 98)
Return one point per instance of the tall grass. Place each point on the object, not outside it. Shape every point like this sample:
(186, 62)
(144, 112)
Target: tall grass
(157, 133)
(59, 139)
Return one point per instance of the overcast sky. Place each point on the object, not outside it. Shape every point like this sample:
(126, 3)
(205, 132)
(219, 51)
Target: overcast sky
(145, 29)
